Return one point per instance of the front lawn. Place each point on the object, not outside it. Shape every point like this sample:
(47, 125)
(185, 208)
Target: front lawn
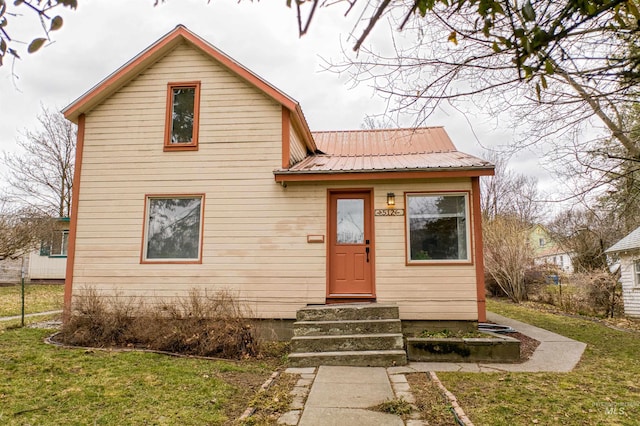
(38, 298)
(604, 389)
(43, 384)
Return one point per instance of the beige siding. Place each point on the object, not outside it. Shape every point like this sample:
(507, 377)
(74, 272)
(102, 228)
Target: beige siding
(45, 267)
(630, 289)
(297, 150)
(255, 230)
(422, 291)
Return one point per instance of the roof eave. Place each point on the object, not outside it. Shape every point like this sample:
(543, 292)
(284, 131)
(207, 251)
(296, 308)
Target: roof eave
(315, 175)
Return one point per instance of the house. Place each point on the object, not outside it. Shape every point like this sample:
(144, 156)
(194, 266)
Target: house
(49, 262)
(193, 172)
(44, 264)
(548, 252)
(628, 251)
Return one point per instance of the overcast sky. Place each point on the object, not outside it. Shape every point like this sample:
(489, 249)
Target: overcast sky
(100, 36)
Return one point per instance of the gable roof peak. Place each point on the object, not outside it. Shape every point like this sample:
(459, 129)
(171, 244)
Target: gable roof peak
(162, 47)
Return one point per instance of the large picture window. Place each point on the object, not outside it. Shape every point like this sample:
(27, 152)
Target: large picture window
(183, 111)
(173, 228)
(438, 228)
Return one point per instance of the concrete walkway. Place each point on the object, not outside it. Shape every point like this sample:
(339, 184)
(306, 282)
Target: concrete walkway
(341, 395)
(39, 314)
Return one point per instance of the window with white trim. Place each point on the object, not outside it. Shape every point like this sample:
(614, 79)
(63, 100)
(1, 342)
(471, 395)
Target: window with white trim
(173, 228)
(438, 228)
(636, 273)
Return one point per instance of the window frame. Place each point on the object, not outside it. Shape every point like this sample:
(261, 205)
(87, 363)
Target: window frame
(145, 230)
(636, 273)
(468, 229)
(168, 127)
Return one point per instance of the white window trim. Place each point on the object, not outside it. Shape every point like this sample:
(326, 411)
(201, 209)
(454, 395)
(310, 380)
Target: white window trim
(467, 212)
(636, 273)
(143, 254)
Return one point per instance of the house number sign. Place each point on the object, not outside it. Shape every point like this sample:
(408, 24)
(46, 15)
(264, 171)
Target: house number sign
(389, 212)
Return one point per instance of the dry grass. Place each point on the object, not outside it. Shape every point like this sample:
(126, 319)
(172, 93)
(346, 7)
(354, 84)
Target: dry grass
(272, 403)
(38, 298)
(434, 408)
(211, 325)
(396, 406)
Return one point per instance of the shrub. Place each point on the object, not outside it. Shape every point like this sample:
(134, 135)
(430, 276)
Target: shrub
(596, 293)
(212, 325)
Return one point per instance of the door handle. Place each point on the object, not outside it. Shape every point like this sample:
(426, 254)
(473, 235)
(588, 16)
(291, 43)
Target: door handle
(366, 250)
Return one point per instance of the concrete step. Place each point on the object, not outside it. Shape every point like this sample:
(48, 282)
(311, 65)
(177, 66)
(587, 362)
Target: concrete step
(347, 342)
(348, 312)
(349, 358)
(324, 328)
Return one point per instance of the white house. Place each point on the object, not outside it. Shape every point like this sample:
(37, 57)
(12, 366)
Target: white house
(628, 251)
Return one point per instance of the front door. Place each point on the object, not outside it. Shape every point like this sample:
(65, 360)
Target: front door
(351, 257)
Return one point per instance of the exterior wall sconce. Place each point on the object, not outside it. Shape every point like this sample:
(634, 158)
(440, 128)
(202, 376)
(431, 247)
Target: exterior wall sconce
(391, 199)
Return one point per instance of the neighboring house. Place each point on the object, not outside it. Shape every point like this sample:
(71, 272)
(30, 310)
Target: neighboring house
(192, 172)
(628, 251)
(548, 252)
(47, 263)
(50, 261)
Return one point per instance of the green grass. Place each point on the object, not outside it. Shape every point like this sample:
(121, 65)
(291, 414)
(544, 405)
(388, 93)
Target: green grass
(43, 384)
(38, 298)
(604, 389)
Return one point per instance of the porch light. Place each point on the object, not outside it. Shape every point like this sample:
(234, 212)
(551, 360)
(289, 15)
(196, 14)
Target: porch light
(391, 199)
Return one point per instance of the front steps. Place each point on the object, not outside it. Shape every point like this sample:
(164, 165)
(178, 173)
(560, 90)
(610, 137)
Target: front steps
(348, 334)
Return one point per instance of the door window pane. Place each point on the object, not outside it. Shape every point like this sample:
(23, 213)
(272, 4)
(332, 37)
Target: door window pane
(350, 218)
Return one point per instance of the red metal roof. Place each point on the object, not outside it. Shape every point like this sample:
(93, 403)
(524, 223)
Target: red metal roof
(421, 149)
(384, 142)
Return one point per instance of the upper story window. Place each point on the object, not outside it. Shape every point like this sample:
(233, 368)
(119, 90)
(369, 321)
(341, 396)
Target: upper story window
(542, 242)
(438, 228)
(636, 273)
(182, 120)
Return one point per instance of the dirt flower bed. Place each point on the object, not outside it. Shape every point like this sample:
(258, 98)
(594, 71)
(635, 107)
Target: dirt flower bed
(210, 325)
(528, 345)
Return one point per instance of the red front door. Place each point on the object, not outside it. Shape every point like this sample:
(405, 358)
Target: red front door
(351, 256)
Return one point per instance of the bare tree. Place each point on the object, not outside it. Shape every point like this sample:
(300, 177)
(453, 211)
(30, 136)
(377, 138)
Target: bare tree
(586, 233)
(41, 176)
(553, 85)
(508, 254)
(507, 193)
(21, 230)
